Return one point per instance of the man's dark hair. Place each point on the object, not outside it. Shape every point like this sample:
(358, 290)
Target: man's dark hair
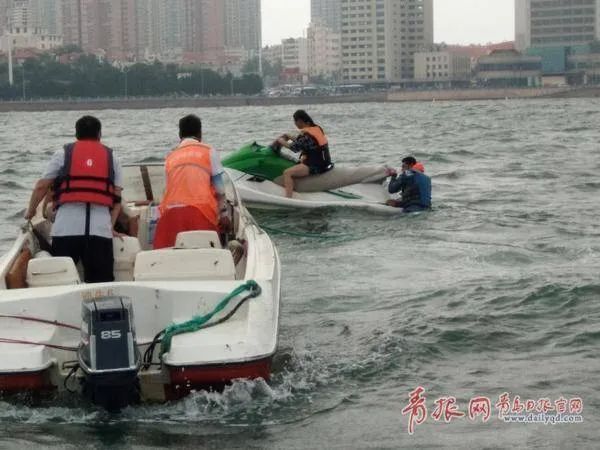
(409, 161)
(190, 127)
(88, 127)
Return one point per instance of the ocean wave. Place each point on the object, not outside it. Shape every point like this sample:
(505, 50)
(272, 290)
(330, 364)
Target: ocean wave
(11, 185)
(588, 187)
(576, 129)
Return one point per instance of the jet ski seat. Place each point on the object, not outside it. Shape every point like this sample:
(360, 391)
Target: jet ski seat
(338, 178)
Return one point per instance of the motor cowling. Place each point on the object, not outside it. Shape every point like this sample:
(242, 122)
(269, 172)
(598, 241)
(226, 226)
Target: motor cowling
(108, 353)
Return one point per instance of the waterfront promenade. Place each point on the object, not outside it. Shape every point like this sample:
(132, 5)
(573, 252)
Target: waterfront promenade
(236, 101)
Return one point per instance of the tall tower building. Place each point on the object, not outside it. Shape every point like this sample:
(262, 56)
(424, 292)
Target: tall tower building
(159, 26)
(327, 12)
(192, 12)
(324, 55)
(409, 29)
(380, 38)
(204, 30)
(47, 15)
(108, 25)
(23, 20)
(81, 23)
(21, 15)
(42, 15)
(554, 23)
(243, 24)
(3, 16)
(172, 19)
(71, 14)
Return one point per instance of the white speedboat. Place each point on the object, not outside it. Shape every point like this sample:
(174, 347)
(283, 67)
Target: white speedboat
(198, 315)
(257, 172)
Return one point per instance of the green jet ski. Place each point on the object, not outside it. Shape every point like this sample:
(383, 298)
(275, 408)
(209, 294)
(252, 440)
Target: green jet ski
(258, 175)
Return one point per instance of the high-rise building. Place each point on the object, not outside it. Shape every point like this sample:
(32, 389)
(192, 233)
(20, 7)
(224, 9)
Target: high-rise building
(172, 18)
(552, 23)
(82, 24)
(21, 15)
(23, 27)
(409, 29)
(324, 51)
(3, 16)
(47, 15)
(204, 31)
(71, 13)
(294, 54)
(327, 12)
(243, 24)
(102, 25)
(212, 27)
(380, 38)
(159, 27)
(125, 23)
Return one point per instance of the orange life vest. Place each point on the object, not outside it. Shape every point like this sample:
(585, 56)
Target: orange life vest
(321, 159)
(419, 166)
(87, 175)
(317, 134)
(189, 171)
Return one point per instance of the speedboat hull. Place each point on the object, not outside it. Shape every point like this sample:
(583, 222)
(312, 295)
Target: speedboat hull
(43, 335)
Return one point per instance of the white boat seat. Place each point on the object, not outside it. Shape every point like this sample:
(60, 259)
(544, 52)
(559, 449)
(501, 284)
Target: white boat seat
(46, 272)
(184, 264)
(198, 239)
(125, 251)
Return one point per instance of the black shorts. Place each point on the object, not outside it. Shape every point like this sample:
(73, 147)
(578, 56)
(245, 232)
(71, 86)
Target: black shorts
(318, 170)
(95, 254)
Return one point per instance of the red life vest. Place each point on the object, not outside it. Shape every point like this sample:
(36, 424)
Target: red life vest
(87, 175)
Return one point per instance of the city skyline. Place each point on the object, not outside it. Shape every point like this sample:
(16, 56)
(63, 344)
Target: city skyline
(481, 21)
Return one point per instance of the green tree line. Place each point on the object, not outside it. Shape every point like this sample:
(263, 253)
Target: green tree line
(87, 77)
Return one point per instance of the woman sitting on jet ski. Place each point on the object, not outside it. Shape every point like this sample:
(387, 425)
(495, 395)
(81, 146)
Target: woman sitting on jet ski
(313, 147)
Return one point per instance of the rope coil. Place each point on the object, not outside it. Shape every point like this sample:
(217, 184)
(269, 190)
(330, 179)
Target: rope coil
(197, 323)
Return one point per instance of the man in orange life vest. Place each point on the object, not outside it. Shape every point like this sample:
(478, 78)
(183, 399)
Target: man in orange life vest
(194, 196)
(87, 181)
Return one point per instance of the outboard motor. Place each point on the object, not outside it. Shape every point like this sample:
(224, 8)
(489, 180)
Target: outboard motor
(108, 353)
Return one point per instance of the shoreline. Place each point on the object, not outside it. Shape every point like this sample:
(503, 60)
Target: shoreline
(224, 102)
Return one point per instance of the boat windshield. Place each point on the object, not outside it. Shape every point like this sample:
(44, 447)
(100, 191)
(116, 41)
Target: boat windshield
(143, 183)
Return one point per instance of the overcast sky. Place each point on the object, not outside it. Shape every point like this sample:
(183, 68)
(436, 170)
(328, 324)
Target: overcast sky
(456, 21)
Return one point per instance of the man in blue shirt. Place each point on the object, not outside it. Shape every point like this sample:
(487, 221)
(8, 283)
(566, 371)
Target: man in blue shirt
(414, 185)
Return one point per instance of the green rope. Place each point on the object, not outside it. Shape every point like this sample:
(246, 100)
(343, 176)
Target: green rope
(199, 322)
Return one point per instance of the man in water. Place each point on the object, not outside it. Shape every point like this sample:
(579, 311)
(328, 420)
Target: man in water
(414, 185)
(87, 181)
